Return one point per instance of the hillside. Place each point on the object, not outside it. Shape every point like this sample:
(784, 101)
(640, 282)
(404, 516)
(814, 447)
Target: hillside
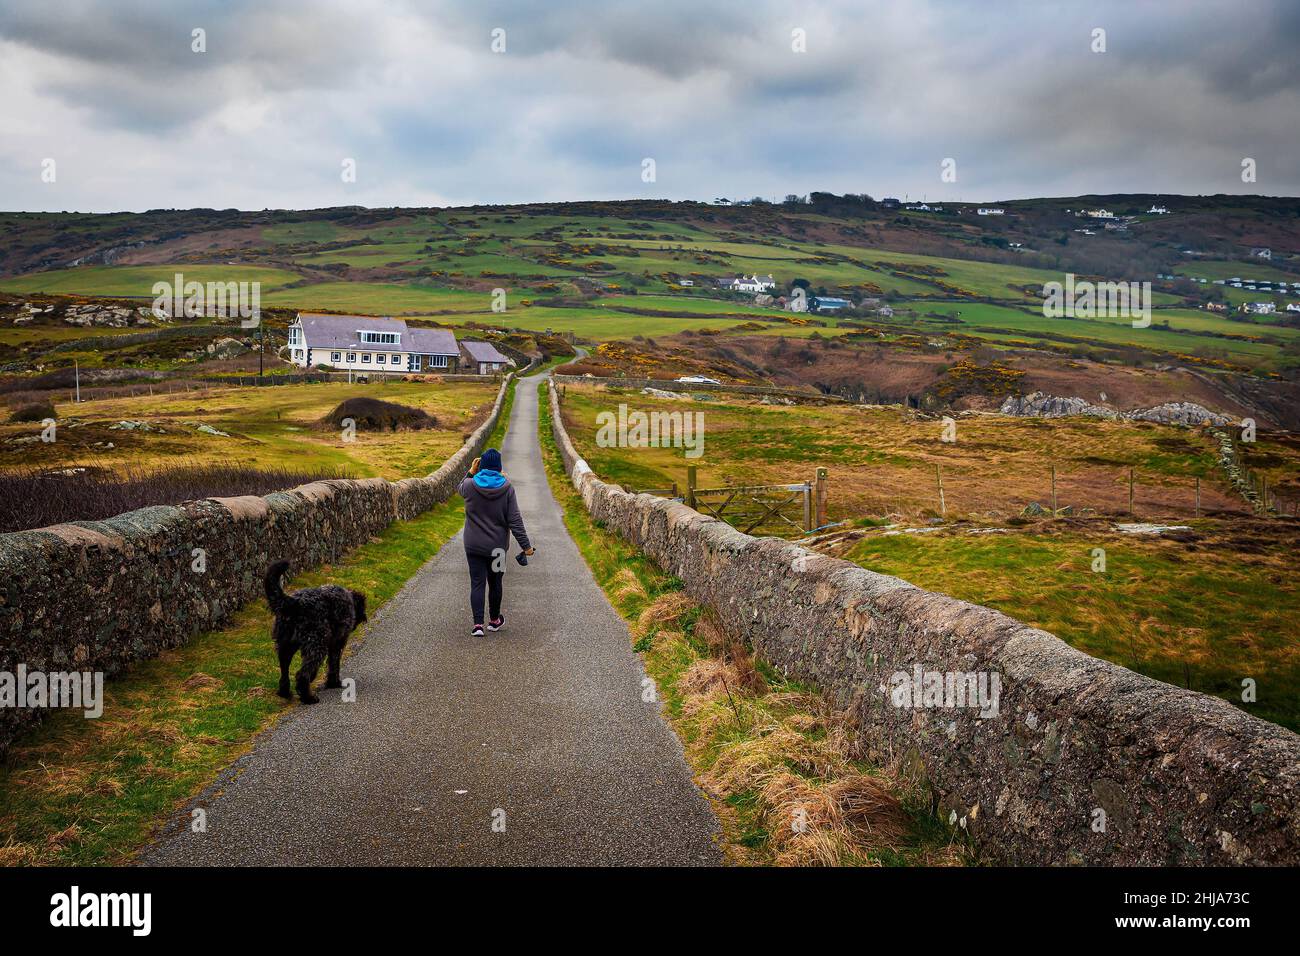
(928, 288)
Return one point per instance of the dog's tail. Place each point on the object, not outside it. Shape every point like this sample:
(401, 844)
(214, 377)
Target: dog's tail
(275, 595)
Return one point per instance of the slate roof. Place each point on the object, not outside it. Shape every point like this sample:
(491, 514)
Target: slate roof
(484, 352)
(340, 332)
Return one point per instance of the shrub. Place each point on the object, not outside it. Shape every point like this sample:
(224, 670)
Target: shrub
(373, 414)
(34, 412)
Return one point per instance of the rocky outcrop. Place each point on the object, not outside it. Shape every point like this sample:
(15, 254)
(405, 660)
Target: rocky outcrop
(113, 316)
(99, 595)
(1079, 761)
(1040, 405)
(1179, 413)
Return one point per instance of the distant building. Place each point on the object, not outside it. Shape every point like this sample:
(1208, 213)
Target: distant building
(889, 202)
(1158, 211)
(1262, 253)
(754, 283)
(990, 211)
(1260, 308)
(828, 303)
(370, 343)
(482, 358)
(1099, 214)
(1293, 307)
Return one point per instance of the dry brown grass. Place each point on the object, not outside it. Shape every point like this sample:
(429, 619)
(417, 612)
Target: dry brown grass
(627, 585)
(667, 607)
(788, 751)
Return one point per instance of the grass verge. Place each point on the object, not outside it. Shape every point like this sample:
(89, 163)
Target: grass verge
(781, 768)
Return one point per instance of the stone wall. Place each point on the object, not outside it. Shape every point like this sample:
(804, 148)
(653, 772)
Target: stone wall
(1085, 761)
(99, 595)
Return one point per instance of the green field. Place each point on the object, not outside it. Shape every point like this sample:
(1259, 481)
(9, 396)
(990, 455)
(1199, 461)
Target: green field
(138, 281)
(1203, 616)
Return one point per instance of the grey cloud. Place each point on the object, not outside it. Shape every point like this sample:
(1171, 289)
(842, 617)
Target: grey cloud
(711, 90)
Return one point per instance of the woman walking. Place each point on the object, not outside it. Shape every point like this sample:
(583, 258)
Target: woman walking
(491, 515)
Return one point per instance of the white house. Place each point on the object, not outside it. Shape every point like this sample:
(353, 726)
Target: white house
(753, 283)
(1261, 308)
(990, 211)
(1262, 253)
(482, 358)
(369, 343)
(1293, 307)
(1158, 211)
(1099, 214)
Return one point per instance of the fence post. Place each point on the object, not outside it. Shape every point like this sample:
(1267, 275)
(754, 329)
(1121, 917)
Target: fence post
(807, 506)
(821, 498)
(943, 506)
(690, 486)
(1130, 491)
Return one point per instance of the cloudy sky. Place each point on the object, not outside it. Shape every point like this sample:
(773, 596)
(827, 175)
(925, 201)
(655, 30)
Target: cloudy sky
(585, 91)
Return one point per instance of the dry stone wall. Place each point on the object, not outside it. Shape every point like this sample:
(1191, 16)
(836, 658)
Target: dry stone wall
(99, 595)
(1082, 762)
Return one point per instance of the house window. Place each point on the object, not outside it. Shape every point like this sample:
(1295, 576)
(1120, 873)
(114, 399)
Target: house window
(352, 356)
(365, 357)
(437, 361)
(380, 359)
(381, 338)
(397, 359)
(335, 356)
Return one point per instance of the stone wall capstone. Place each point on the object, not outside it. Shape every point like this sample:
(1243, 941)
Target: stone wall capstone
(99, 595)
(1085, 762)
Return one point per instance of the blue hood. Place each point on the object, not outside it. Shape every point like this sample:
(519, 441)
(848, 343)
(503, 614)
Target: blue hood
(487, 478)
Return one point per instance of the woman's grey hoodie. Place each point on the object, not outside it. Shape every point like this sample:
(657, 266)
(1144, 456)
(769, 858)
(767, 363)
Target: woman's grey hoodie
(491, 514)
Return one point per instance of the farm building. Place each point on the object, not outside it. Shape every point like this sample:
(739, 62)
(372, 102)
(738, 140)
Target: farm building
(368, 343)
(828, 303)
(990, 211)
(482, 358)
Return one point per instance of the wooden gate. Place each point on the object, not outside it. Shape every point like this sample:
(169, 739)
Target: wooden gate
(798, 507)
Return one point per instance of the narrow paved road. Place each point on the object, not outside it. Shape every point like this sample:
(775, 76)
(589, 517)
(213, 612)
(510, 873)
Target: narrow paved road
(543, 720)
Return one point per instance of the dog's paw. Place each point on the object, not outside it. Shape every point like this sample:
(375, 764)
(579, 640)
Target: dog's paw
(285, 692)
(333, 684)
(313, 699)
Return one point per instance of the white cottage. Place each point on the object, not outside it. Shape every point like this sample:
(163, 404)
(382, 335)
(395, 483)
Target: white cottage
(368, 343)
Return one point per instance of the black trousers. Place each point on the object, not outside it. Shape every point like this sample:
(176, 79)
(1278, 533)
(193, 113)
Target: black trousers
(481, 575)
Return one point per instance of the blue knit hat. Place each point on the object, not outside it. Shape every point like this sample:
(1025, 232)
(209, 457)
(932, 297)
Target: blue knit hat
(491, 460)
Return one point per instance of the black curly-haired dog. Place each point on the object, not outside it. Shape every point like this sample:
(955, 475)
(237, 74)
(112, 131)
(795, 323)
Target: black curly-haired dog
(316, 621)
